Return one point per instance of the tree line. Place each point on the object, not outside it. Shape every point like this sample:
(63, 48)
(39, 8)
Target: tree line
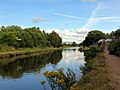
(94, 36)
(17, 37)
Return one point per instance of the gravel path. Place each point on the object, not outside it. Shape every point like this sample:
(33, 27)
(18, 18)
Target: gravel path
(113, 70)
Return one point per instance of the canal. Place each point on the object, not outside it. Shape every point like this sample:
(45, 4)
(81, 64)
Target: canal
(27, 72)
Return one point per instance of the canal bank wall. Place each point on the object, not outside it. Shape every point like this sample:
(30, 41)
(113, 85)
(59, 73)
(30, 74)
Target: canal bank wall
(31, 51)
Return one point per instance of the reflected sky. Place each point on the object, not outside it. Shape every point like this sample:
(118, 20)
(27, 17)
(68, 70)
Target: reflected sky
(32, 74)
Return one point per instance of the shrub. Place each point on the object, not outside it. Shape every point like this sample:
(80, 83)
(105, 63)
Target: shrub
(61, 81)
(100, 48)
(5, 47)
(91, 53)
(114, 48)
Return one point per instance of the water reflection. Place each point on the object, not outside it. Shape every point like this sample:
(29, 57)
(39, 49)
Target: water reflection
(26, 73)
(16, 68)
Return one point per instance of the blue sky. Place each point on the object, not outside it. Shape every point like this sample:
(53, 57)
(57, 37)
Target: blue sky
(71, 19)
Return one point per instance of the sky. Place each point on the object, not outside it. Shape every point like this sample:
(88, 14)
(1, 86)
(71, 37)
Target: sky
(71, 19)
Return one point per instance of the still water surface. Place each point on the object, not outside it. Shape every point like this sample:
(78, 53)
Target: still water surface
(26, 73)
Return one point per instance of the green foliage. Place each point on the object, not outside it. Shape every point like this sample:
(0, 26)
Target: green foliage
(9, 39)
(17, 37)
(95, 76)
(92, 51)
(60, 81)
(111, 34)
(114, 48)
(11, 29)
(15, 67)
(117, 34)
(74, 44)
(5, 47)
(55, 39)
(100, 48)
(83, 48)
(93, 37)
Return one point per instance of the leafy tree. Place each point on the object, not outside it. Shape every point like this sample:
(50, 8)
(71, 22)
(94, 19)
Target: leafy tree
(12, 28)
(93, 37)
(112, 34)
(55, 39)
(117, 33)
(74, 44)
(29, 37)
(9, 39)
(26, 39)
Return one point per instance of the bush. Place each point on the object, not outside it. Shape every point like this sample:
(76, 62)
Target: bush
(61, 81)
(114, 48)
(5, 47)
(91, 53)
(100, 48)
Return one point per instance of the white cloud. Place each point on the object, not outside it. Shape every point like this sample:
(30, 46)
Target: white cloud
(69, 16)
(67, 35)
(88, 0)
(35, 20)
(82, 31)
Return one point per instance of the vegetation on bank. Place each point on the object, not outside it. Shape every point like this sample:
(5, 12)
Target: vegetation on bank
(92, 52)
(94, 74)
(17, 41)
(83, 48)
(25, 51)
(93, 37)
(114, 47)
(60, 81)
(16, 37)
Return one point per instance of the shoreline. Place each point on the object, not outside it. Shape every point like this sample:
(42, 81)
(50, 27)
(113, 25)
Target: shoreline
(26, 51)
(94, 74)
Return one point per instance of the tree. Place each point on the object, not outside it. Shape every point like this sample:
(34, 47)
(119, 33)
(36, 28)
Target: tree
(55, 39)
(12, 28)
(74, 44)
(117, 34)
(9, 39)
(93, 37)
(29, 37)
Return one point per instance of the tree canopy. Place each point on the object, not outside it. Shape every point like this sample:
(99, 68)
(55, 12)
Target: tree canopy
(17, 37)
(55, 39)
(92, 37)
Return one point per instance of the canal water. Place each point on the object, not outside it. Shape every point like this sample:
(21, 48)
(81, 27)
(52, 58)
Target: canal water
(27, 72)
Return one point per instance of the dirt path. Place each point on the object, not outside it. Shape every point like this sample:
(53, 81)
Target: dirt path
(113, 70)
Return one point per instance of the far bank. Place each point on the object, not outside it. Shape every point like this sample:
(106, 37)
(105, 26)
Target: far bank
(26, 51)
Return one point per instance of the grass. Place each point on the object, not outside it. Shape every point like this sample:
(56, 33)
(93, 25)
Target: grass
(94, 74)
(25, 51)
(83, 48)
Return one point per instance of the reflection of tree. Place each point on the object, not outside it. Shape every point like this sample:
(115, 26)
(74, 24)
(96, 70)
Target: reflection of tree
(16, 68)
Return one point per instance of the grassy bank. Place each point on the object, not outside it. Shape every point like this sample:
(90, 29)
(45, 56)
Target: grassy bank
(24, 51)
(94, 74)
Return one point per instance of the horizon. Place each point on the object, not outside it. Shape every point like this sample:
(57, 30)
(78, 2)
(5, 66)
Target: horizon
(71, 20)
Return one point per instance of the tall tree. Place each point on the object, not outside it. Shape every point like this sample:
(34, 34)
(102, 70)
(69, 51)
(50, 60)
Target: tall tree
(93, 37)
(55, 39)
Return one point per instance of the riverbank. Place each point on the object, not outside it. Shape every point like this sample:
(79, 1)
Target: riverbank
(26, 51)
(94, 74)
